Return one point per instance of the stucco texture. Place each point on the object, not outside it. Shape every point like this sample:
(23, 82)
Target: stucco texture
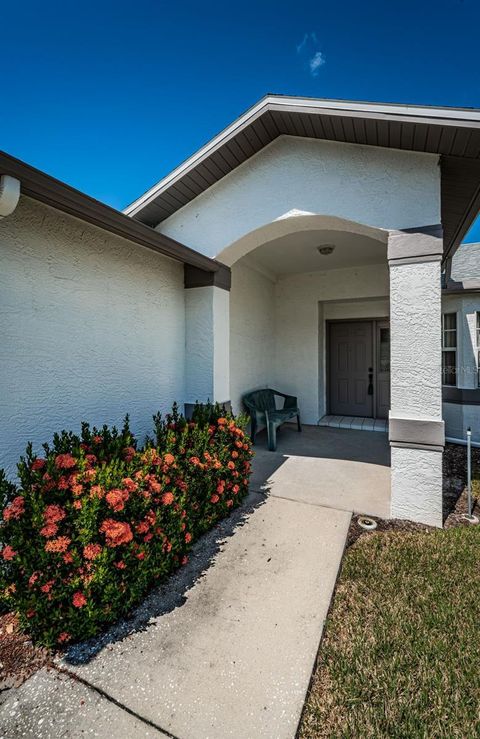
(417, 485)
(93, 327)
(252, 332)
(415, 305)
(378, 187)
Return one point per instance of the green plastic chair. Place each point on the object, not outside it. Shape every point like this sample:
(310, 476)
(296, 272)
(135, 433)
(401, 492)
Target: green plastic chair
(261, 407)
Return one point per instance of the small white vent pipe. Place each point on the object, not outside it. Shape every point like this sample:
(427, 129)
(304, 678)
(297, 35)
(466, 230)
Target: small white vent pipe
(9, 194)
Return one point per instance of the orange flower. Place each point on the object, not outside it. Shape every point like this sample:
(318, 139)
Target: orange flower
(79, 600)
(116, 532)
(235, 489)
(8, 553)
(116, 499)
(234, 454)
(97, 439)
(49, 530)
(65, 461)
(229, 503)
(168, 458)
(91, 551)
(231, 465)
(68, 558)
(96, 491)
(47, 587)
(129, 484)
(63, 637)
(129, 453)
(167, 498)
(53, 513)
(214, 498)
(188, 538)
(222, 421)
(15, 509)
(57, 545)
(77, 504)
(38, 464)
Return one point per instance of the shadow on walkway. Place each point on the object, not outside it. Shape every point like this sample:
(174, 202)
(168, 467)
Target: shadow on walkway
(172, 593)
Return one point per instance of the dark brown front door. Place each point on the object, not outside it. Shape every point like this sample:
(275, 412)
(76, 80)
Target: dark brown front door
(351, 371)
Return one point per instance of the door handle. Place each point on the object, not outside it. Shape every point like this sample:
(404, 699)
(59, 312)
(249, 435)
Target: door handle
(370, 381)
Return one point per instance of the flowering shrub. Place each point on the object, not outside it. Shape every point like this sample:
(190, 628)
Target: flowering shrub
(96, 521)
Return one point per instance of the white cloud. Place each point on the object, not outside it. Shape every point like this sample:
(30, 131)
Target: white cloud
(308, 49)
(317, 61)
(302, 44)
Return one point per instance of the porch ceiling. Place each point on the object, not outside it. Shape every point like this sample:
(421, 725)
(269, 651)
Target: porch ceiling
(297, 253)
(452, 133)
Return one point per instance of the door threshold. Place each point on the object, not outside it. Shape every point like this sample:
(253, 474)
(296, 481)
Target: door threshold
(355, 422)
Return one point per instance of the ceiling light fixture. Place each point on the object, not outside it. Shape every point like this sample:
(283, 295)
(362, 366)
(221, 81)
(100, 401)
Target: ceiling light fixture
(325, 249)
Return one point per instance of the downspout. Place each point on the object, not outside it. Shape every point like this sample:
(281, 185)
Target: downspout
(9, 194)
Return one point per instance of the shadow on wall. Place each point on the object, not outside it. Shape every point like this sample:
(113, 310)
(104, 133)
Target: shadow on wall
(173, 593)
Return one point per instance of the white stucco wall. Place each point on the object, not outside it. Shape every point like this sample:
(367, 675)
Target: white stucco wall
(303, 303)
(92, 327)
(416, 390)
(417, 485)
(252, 332)
(207, 371)
(379, 187)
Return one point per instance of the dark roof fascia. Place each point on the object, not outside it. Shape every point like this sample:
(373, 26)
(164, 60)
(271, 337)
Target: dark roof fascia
(46, 189)
(455, 287)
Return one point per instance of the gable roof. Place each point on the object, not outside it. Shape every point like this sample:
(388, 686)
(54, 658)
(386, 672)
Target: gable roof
(452, 133)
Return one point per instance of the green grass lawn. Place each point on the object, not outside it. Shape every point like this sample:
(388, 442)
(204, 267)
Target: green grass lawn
(401, 651)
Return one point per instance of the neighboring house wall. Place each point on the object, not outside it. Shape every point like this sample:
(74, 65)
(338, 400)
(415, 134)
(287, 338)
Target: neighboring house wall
(374, 186)
(466, 262)
(252, 332)
(303, 303)
(459, 416)
(93, 327)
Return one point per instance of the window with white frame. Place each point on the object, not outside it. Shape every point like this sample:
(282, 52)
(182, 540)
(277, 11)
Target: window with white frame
(449, 348)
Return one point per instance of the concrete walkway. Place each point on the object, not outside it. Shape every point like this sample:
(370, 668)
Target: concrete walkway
(224, 649)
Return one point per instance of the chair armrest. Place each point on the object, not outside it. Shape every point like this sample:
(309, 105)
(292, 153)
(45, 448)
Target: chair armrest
(290, 401)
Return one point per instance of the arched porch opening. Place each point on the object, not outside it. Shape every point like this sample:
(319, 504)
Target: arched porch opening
(290, 279)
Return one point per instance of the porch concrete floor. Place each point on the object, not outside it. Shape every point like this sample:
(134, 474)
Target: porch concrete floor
(336, 468)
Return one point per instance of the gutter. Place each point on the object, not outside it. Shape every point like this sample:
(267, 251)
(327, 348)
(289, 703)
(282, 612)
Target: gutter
(46, 189)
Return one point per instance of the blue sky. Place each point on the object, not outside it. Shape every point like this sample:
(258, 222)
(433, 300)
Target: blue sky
(110, 96)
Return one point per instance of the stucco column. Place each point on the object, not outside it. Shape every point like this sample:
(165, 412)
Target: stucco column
(207, 356)
(416, 432)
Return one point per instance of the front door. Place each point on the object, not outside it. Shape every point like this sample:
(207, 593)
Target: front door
(351, 370)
